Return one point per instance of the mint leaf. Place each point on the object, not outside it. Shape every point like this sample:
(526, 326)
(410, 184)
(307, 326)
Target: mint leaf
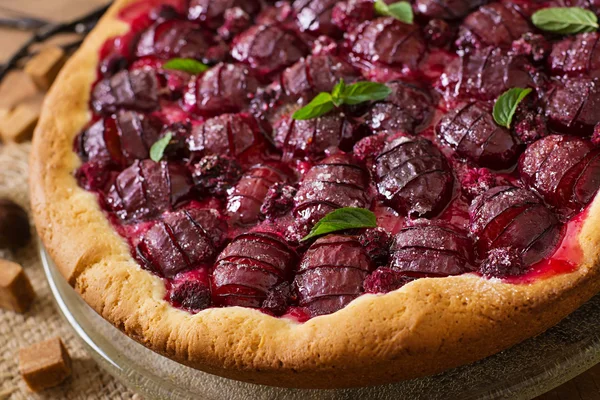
(187, 65)
(506, 105)
(402, 11)
(336, 93)
(158, 148)
(320, 105)
(342, 219)
(365, 91)
(565, 20)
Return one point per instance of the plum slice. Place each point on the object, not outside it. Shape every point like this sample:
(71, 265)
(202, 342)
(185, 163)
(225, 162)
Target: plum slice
(312, 138)
(576, 55)
(212, 13)
(315, 16)
(408, 109)
(347, 15)
(222, 89)
(573, 106)
(177, 38)
(132, 90)
(246, 198)
(182, 241)
(234, 135)
(337, 181)
(427, 249)
(487, 73)
(331, 274)
(507, 216)
(496, 24)
(472, 132)
(267, 48)
(564, 170)
(252, 266)
(414, 177)
(387, 41)
(146, 189)
(447, 9)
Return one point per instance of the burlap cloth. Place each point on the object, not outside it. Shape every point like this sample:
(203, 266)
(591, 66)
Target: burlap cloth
(42, 321)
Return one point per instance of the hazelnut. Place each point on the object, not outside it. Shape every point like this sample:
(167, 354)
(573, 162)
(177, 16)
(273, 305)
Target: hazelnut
(14, 225)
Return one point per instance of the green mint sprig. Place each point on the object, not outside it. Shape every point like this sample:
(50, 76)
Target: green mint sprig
(565, 20)
(157, 150)
(343, 219)
(506, 105)
(188, 65)
(402, 10)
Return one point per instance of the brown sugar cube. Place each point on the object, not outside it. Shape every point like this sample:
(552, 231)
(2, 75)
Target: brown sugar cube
(17, 125)
(16, 88)
(44, 66)
(44, 365)
(16, 293)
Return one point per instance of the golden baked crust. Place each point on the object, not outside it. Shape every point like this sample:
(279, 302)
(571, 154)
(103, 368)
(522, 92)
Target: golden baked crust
(423, 328)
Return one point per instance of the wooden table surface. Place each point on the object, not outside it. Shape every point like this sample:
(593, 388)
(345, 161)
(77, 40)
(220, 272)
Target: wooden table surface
(584, 387)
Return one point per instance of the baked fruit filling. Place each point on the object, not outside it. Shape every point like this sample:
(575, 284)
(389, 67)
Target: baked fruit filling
(292, 156)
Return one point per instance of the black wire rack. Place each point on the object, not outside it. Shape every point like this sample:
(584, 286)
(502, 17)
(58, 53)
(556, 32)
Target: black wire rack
(44, 31)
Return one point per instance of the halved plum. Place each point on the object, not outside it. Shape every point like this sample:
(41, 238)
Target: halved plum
(337, 181)
(222, 89)
(181, 241)
(573, 106)
(472, 132)
(179, 38)
(233, 135)
(427, 249)
(507, 216)
(487, 73)
(387, 41)
(408, 109)
(347, 15)
(146, 189)
(414, 177)
(576, 55)
(331, 274)
(246, 198)
(447, 9)
(496, 24)
(267, 49)
(250, 268)
(564, 170)
(315, 16)
(211, 13)
(313, 138)
(132, 90)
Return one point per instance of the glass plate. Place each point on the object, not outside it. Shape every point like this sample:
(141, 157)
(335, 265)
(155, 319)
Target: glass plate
(522, 372)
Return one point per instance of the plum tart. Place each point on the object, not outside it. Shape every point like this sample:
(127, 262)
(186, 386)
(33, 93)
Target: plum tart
(326, 193)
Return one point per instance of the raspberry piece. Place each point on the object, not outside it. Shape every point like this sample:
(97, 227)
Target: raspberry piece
(251, 266)
(324, 46)
(563, 170)
(278, 201)
(385, 280)
(215, 174)
(472, 132)
(246, 198)
(438, 33)
(377, 243)
(347, 15)
(278, 299)
(191, 291)
(503, 262)
(414, 177)
(370, 147)
(596, 135)
(236, 20)
(507, 19)
(331, 273)
(530, 125)
(507, 216)
(447, 9)
(94, 175)
(477, 181)
(532, 45)
(576, 55)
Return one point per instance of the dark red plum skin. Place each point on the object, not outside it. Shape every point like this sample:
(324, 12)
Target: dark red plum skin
(131, 90)
(576, 55)
(573, 106)
(507, 216)
(315, 17)
(211, 13)
(471, 131)
(249, 268)
(414, 177)
(337, 181)
(564, 170)
(432, 250)
(331, 273)
(182, 241)
(447, 9)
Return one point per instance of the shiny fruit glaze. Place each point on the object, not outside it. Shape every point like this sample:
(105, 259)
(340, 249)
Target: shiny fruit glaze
(222, 216)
